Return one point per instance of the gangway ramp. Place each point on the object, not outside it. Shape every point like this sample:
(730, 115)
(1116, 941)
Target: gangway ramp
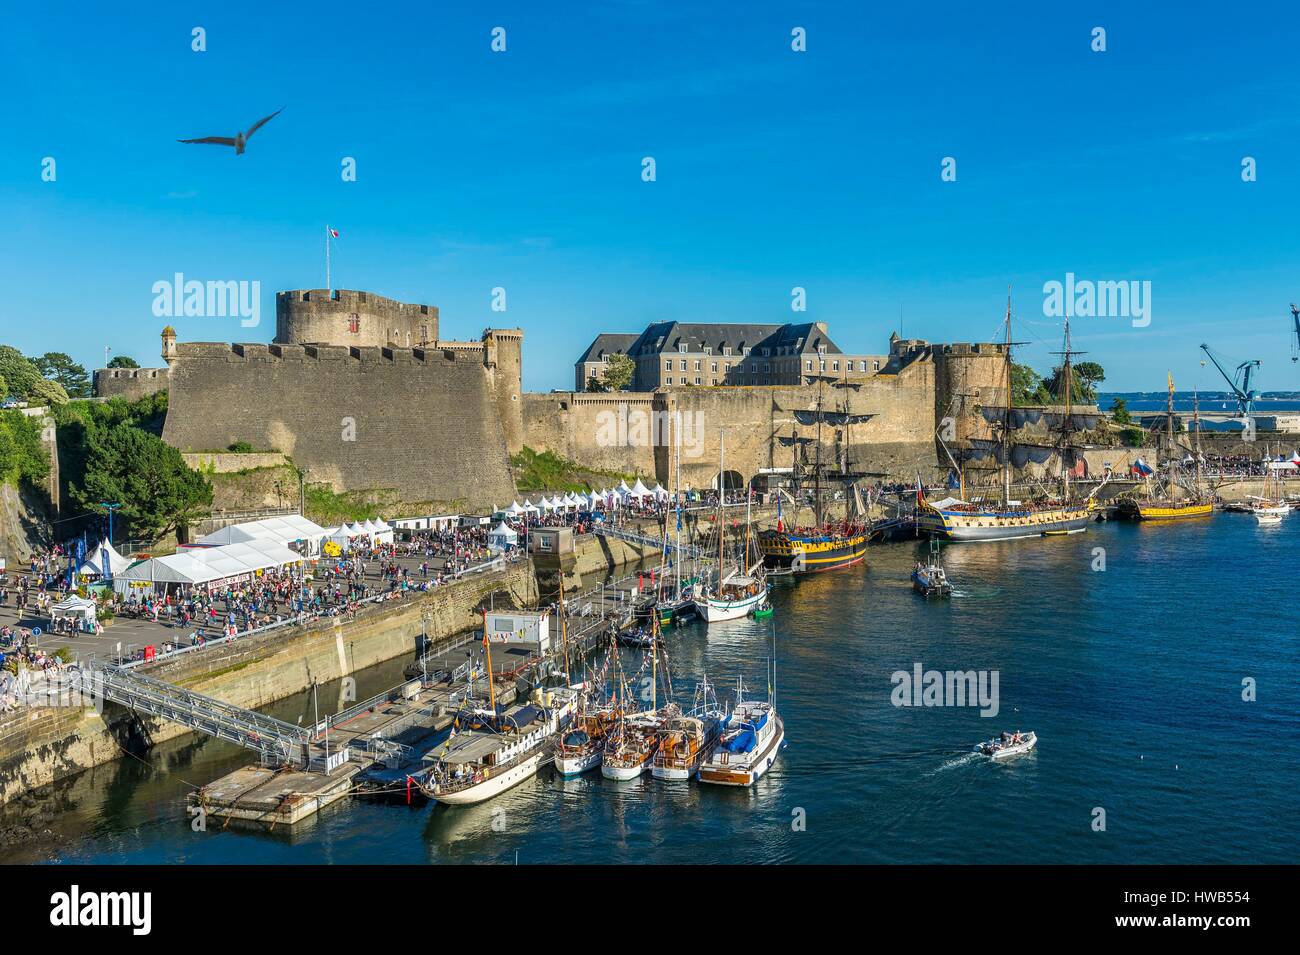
(275, 740)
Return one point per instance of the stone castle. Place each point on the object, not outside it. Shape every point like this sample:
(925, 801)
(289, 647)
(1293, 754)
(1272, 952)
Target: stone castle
(362, 394)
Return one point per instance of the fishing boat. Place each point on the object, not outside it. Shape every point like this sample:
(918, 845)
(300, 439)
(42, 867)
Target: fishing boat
(1007, 745)
(956, 519)
(748, 743)
(1172, 502)
(687, 740)
(499, 751)
(825, 545)
(930, 579)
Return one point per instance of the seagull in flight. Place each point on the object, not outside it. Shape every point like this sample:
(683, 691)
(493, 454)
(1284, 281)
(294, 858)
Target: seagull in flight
(240, 140)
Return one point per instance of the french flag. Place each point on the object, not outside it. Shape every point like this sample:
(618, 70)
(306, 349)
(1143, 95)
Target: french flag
(920, 491)
(1142, 468)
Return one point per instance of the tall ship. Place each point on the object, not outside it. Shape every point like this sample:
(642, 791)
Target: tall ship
(1005, 518)
(823, 545)
(1172, 501)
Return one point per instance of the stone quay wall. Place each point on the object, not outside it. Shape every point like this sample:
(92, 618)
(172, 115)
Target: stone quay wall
(43, 745)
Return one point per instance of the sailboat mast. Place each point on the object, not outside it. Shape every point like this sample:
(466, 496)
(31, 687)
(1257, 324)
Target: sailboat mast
(1006, 416)
(1196, 424)
(722, 484)
(487, 652)
(817, 472)
(1067, 383)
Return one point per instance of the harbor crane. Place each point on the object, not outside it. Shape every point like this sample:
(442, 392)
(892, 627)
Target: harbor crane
(1295, 345)
(1240, 381)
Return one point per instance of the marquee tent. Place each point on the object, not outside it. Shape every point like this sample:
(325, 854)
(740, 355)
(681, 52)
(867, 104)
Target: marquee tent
(75, 608)
(290, 529)
(207, 565)
(639, 489)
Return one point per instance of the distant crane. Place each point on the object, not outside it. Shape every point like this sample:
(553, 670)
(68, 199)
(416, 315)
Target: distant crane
(1239, 381)
(1295, 345)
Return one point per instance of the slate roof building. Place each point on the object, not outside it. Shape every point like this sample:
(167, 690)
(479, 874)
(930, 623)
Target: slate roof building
(593, 361)
(676, 354)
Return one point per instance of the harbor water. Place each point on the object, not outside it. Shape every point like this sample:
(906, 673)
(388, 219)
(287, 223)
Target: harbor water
(1127, 649)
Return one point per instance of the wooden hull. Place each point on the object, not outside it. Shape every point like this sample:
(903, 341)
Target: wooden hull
(1163, 511)
(807, 554)
(998, 526)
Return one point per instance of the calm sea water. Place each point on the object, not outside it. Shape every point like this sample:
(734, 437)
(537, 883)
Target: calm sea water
(1131, 676)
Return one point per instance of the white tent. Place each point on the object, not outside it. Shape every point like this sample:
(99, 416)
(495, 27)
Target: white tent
(639, 490)
(660, 492)
(514, 509)
(290, 529)
(530, 507)
(382, 532)
(503, 536)
(104, 562)
(623, 489)
(576, 500)
(76, 608)
(206, 565)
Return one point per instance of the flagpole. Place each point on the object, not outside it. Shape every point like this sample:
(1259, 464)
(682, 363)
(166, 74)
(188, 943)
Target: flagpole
(328, 286)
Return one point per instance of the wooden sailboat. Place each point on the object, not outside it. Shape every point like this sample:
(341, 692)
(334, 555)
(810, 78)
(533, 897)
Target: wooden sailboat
(734, 593)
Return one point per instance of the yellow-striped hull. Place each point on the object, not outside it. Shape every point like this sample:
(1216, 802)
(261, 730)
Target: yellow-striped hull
(1158, 512)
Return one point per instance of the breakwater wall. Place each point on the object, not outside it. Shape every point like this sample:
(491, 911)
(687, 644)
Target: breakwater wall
(43, 745)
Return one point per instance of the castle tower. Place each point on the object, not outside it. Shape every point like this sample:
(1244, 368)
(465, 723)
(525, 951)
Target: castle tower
(355, 319)
(968, 377)
(503, 355)
(169, 352)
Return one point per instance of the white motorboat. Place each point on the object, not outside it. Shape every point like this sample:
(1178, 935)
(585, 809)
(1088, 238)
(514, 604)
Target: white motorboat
(1007, 745)
(748, 742)
(1269, 512)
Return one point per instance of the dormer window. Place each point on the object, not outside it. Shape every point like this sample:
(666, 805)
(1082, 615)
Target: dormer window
(726, 349)
(681, 348)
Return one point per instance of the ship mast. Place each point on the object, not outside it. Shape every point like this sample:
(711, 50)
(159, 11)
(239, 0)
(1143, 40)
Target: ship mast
(1196, 424)
(1065, 395)
(1006, 416)
(1169, 438)
(817, 471)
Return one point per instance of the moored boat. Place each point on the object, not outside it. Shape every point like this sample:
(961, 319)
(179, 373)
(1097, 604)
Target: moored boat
(580, 748)
(750, 738)
(631, 746)
(930, 579)
(504, 749)
(687, 740)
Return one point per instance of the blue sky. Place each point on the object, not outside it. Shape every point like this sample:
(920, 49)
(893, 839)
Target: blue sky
(775, 169)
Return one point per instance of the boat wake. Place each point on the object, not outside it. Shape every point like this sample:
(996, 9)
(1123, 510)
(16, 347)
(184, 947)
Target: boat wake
(955, 763)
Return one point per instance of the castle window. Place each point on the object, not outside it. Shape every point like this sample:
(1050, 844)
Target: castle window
(697, 365)
(697, 379)
(835, 365)
(681, 348)
(875, 365)
(354, 323)
(708, 349)
(670, 379)
(668, 365)
(683, 364)
(766, 368)
(726, 349)
(715, 367)
(809, 364)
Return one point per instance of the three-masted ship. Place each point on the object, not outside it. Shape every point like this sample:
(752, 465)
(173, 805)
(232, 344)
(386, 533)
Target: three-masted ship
(825, 545)
(1005, 518)
(1172, 502)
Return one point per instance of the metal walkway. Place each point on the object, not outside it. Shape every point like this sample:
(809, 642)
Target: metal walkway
(278, 742)
(657, 543)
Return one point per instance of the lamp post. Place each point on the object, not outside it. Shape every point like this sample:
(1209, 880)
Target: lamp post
(110, 508)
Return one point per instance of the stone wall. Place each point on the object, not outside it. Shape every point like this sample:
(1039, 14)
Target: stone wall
(232, 462)
(632, 432)
(129, 383)
(43, 745)
(420, 421)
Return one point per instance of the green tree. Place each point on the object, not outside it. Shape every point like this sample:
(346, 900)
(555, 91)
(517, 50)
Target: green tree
(619, 371)
(157, 490)
(22, 455)
(123, 361)
(1027, 386)
(595, 384)
(59, 367)
(1119, 412)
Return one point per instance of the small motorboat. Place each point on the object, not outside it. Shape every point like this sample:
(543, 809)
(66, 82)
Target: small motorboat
(763, 612)
(1007, 745)
(929, 579)
(638, 637)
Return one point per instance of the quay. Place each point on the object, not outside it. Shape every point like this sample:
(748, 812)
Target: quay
(374, 747)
